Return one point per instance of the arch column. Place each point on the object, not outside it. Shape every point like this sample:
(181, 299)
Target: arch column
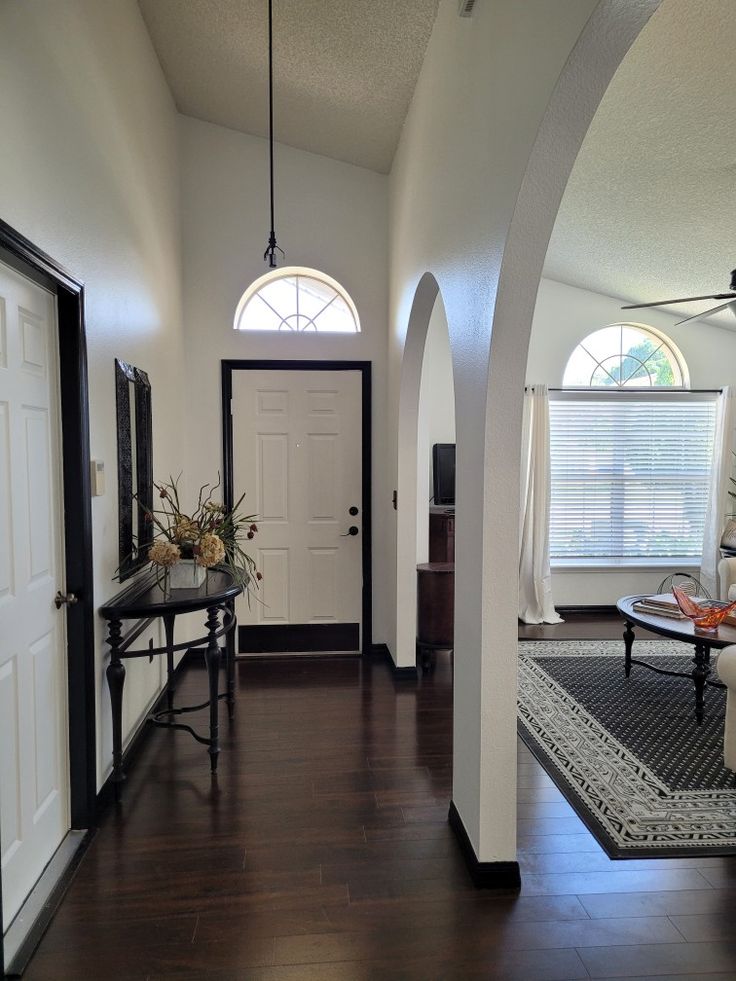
(483, 811)
(406, 525)
(498, 115)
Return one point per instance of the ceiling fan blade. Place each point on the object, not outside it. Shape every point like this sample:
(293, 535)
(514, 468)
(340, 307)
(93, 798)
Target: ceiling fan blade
(681, 299)
(706, 313)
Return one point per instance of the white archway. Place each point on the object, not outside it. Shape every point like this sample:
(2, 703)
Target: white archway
(484, 238)
(426, 296)
(406, 518)
(599, 50)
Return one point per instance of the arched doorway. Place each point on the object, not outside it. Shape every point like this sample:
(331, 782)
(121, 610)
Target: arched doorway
(484, 238)
(414, 444)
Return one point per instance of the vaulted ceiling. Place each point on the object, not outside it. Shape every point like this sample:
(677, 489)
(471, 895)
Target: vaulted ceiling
(344, 70)
(650, 209)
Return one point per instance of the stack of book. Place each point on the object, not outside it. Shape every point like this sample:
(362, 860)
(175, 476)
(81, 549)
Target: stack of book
(662, 605)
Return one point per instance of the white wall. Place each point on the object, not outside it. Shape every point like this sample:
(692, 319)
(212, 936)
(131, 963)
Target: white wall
(564, 315)
(88, 172)
(436, 415)
(330, 216)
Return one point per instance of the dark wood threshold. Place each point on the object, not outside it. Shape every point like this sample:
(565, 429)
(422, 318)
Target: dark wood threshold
(485, 875)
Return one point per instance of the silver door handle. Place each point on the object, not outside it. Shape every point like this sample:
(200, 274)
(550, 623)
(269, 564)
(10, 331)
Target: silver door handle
(64, 599)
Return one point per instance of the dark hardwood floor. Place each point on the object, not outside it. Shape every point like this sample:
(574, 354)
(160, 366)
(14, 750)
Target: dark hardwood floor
(322, 853)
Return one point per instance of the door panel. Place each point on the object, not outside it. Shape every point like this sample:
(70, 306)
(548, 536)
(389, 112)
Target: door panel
(10, 757)
(6, 516)
(274, 592)
(297, 454)
(273, 477)
(34, 768)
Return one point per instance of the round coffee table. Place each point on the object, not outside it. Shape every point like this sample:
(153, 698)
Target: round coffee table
(683, 630)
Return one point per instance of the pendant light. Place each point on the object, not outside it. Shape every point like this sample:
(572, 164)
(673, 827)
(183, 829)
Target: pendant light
(270, 254)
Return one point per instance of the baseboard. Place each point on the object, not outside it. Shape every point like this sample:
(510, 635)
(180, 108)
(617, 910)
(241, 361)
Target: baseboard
(106, 793)
(28, 927)
(382, 653)
(485, 875)
(599, 609)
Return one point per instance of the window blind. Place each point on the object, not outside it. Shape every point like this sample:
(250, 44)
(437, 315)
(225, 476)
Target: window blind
(629, 476)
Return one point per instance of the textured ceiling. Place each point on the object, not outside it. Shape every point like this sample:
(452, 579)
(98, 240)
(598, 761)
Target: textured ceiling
(650, 209)
(344, 70)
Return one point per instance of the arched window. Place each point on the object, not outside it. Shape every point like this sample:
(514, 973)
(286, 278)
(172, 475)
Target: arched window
(297, 300)
(626, 356)
(630, 454)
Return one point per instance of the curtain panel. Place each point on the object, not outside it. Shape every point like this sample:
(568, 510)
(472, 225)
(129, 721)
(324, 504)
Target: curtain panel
(535, 580)
(720, 505)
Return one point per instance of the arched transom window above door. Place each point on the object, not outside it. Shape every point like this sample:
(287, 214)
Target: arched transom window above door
(297, 300)
(626, 356)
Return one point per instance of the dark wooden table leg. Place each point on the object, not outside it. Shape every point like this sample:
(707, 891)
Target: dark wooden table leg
(628, 643)
(212, 660)
(115, 674)
(230, 641)
(169, 619)
(700, 673)
(424, 655)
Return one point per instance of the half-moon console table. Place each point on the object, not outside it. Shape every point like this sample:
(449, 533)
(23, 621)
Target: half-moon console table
(145, 600)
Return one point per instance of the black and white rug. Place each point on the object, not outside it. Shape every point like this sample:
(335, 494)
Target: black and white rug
(628, 754)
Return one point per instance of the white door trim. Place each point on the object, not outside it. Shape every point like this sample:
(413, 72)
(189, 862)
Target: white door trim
(26, 258)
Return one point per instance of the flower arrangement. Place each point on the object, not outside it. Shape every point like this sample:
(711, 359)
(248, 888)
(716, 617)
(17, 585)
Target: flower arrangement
(211, 535)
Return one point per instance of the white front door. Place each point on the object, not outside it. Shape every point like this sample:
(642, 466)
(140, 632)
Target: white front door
(34, 769)
(297, 453)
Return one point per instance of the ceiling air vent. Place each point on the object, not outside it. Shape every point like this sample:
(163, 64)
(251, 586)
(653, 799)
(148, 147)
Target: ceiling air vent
(465, 8)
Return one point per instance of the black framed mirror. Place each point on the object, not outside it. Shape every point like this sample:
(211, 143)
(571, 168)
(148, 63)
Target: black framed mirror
(135, 466)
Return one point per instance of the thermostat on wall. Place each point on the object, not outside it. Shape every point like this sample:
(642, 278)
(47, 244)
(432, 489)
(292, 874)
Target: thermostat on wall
(98, 478)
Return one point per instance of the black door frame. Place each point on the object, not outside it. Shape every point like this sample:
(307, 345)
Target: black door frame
(364, 367)
(25, 257)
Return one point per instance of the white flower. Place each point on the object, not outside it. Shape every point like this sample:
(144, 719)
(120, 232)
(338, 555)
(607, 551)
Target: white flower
(185, 531)
(210, 551)
(164, 553)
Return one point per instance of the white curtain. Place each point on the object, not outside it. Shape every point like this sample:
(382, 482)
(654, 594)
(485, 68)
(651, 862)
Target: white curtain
(535, 581)
(719, 503)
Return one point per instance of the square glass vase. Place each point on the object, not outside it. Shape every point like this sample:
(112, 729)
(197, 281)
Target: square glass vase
(186, 574)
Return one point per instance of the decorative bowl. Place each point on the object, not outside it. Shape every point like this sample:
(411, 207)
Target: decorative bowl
(706, 614)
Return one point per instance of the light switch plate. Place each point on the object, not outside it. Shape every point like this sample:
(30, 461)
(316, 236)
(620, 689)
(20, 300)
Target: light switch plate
(98, 478)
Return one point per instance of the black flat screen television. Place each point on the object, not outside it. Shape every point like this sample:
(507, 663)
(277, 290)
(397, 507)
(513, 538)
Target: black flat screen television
(443, 473)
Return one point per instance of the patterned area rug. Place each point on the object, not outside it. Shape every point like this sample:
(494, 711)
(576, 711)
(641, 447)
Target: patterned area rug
(627, 754)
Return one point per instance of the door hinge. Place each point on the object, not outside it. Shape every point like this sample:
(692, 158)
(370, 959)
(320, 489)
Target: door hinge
(395, 500)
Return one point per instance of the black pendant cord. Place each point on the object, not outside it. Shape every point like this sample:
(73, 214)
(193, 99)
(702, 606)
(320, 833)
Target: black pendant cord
(270, 254)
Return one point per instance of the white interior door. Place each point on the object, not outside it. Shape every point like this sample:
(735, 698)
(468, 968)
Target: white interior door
(297, 454)
(34, 769)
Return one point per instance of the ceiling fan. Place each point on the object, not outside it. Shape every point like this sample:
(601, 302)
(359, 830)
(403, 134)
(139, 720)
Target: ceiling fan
(730, 298)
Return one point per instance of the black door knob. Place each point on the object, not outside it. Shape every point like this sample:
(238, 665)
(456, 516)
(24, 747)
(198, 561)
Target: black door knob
(352, 531)
(353, 510)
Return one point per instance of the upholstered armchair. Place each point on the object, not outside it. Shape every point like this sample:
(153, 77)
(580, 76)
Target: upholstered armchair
(727, 578)
(727, 674)
(727, 664)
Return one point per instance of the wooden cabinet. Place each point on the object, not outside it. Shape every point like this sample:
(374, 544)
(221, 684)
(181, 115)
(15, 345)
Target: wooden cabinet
(441, 534)
(435, 609)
